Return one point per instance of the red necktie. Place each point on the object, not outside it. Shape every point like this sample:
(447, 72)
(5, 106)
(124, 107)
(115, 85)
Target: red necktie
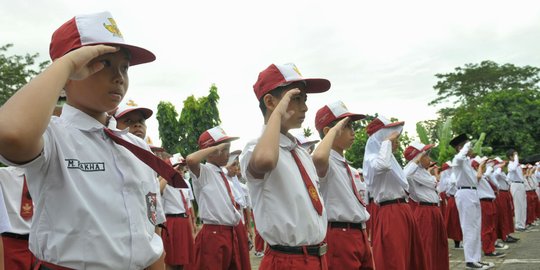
(184, 201)
(173, 177)
(236, 205)
(312, 191)
(355, 191)
(27, 207)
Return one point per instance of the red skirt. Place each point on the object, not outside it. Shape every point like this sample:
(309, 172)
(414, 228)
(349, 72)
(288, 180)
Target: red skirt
(505, 214)
(178, 241)
(396, 230)
(16, 253)
(216, 247)
(433, 236)
(453, 228)
(532, 200)
(489, 223)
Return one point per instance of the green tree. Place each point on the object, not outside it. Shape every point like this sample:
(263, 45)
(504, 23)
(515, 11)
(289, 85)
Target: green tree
(196, 117)
(169, 128)
(468, 85)
(16, 71)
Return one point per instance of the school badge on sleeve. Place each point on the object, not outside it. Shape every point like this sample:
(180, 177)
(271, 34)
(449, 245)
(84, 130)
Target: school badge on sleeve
(151, 204)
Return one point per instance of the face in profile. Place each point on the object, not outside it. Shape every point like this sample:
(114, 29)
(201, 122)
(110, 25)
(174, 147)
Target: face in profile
(220, 158)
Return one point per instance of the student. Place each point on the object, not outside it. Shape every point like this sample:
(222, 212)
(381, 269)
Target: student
(103, 197)
(130, 116)
(395, 229)
(423, 177)
(4, 226)
(20, 209)
(217, 244)
(453, 227)
(178, 236)
(486, 194)
(348, 245)
(517, 189)
(468, 203)
(505, 220)
(282, 179)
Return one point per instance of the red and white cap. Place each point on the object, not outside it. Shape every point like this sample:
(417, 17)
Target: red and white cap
(130, 106)
(214, 136)
(334, 111)
(93, 29)
(477, 161)
(306, 141)
(498, 160)
(414, 149)
(177, 159)
(379, 123)
(446, 166)
(275, 76)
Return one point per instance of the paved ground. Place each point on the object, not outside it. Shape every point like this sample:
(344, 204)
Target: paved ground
(523, 255)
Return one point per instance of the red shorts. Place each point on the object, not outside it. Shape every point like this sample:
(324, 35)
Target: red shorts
(453, 227)
(178, 241)
(489, 225)
(274, 260)
(216, 247)
(348, 248)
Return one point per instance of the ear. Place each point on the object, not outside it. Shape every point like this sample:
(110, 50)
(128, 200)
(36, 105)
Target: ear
(269, 102)
(326, 130)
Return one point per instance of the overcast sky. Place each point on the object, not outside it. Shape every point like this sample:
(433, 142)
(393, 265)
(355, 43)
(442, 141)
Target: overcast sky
(380, 56)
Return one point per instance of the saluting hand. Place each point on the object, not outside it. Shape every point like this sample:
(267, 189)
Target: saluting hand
(80, 60)
(283, 104)
(341, 125)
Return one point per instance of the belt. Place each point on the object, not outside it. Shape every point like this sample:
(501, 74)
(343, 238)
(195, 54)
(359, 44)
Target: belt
(370, 199)
(347, 225)
(315, 250)
(466, 187)
(16, 236)
(177, 215)
(487, 199)
(41, 265)
(502, 190)
(517, 182)
(400, 200)
(428, 204)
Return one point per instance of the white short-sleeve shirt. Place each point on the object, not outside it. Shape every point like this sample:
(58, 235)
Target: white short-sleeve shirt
(5, 226)
(215, 205)
(95, 202)
(172, 200)
(11, 181)
(336, 188)
(283, 210)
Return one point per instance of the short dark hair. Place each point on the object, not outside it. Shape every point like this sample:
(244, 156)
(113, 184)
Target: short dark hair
(510, 153)
(330, 125)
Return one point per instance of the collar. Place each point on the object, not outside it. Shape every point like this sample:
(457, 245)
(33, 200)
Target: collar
(287, 141)
(17, 170)
(335, 155)
(215, 168)
(82, 121)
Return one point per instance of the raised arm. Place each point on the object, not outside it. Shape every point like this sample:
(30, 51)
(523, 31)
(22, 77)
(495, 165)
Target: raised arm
(321, 155)
(194, 160)
(266, 153)
(26, 115)
(461, 157)
(383, 160)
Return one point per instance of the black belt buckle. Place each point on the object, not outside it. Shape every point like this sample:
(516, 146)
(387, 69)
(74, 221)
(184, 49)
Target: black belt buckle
(322, 249)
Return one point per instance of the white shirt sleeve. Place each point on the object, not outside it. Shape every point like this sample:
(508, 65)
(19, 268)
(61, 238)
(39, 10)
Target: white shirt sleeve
(5, 226)
(383, 160)
(461, 157)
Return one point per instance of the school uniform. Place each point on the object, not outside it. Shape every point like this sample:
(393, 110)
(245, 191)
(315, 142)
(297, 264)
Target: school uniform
(505, 205)
(285, 212)
(532, 199)
(216, 245)
(468, 205)
(489, 215)
(348, 244)
(453, 226)
(242, 232)
(517, 188)
(16, 252)
(4, 218)
(428, 216)
(395, 227)
(95, 203)
(178, 235)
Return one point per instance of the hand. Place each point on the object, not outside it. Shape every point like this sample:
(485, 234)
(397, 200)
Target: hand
(393, 136)
(79, 60)
(220, 148)
(340, 126)
(283, 104)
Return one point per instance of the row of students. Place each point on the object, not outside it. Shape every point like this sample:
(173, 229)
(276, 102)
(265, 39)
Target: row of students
(98, 202)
